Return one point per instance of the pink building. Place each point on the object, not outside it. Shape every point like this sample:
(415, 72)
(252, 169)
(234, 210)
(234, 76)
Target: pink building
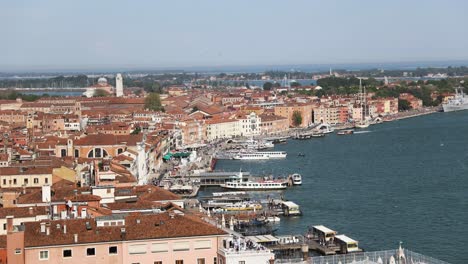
(135, 238)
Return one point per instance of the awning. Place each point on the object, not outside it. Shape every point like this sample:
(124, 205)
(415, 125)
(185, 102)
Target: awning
(167, 156)
(181, 154)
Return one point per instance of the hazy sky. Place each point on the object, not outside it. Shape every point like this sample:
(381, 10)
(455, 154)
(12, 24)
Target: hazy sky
(172, 33)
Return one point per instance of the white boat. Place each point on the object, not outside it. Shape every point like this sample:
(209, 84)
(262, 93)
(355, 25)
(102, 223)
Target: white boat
(261, 155)
(261, 185)
(256, 144)
(297, 179)
(243, 206)
(363, 124)
(459, 102)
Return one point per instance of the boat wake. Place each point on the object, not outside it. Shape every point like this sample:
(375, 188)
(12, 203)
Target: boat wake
(362, 132)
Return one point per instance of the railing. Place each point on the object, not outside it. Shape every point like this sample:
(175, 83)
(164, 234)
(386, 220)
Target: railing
(376, 257)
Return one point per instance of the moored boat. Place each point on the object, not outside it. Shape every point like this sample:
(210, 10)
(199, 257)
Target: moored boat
(297, 179)
(345, 132)
(261, 155)
(260, 185)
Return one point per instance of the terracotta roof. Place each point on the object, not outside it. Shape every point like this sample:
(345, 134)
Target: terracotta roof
(25, 170)
(108, 139)
(21, 212)
(137, 227)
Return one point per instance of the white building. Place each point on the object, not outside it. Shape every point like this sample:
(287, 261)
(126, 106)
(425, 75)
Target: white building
(222, 129)
(250, 125)
(118, 85)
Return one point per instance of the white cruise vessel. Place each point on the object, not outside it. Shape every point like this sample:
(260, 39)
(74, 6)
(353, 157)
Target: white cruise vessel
(459, 102)
(261, 185)
(261, 155)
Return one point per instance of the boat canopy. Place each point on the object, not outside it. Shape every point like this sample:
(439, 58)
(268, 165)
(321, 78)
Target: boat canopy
(290, 204)
(345, 239)
(324, 229)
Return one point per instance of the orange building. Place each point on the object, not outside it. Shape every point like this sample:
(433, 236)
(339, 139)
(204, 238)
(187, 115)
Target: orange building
(288, 109)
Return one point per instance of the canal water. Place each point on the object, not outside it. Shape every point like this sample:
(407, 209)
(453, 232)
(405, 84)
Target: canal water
(399, 181)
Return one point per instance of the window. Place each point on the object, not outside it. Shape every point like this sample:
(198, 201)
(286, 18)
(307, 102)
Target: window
(241, 262)
(77, 153)
(36, 180)
(4, 226)
(179, 261)
(159, 247)
(63, 152)
(201, 261)
(181, 246)
(43, 254)
(4, 181)
(14, 181)
(137, 249)
(26, 181)
(17, 251)
(158, 262)
(112, 250)
(202, 244)
(46, 180)
(90, 252)
(215, 260)
(67, 253)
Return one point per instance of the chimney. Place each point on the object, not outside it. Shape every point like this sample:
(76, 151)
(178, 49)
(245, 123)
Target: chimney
(122, 232)
(47, 230)
(31, 211)
(43, 229)
(9, 223)
(75, 238)
(64, 229)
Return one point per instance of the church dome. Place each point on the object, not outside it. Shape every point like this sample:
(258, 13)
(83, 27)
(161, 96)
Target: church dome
(102, 81)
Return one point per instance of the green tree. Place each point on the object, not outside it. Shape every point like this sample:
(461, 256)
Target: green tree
(154, 87)
(100, 93)
(297, 118)
(153, 102)
(136, 131)
(267, 86)
(295, 84)
(403, 105)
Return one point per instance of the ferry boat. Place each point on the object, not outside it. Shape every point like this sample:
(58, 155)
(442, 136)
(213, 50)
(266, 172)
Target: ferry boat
(297, 179)
(345, 132)
(261, 185)
(459, 102)
(244, 206)
(263, 155)
(257, 144)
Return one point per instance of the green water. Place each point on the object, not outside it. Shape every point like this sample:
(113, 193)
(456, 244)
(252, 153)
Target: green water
(401, 181)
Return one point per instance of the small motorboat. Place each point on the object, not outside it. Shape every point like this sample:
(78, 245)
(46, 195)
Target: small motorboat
(345, 132)
(301, 155)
